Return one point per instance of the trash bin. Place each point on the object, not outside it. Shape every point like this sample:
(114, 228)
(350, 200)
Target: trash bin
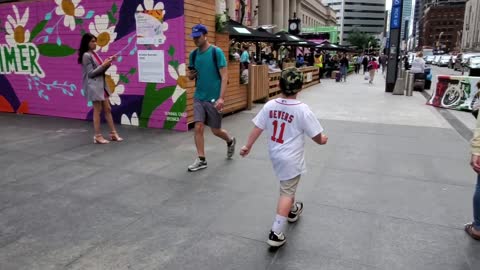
(428, 78)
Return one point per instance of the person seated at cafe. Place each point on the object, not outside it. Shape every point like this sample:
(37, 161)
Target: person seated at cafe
(300, 60)
(272, 66)
(244, 74)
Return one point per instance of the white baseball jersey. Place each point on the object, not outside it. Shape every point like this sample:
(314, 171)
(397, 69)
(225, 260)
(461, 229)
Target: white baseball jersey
(285, 121)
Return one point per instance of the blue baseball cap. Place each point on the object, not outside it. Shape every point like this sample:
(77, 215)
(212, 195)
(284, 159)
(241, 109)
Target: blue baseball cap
(198, 30)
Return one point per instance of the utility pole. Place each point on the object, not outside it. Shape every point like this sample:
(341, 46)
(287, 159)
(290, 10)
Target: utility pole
(394, 44)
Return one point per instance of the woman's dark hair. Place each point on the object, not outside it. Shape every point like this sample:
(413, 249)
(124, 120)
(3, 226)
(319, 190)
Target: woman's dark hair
(84, 45)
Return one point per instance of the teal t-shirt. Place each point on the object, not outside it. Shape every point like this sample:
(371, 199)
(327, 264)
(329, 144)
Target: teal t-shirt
(208, 83)
(245, 57)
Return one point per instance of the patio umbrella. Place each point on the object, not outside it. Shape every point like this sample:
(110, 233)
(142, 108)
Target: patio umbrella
(242, 33)
(288, 39)
(327, 46)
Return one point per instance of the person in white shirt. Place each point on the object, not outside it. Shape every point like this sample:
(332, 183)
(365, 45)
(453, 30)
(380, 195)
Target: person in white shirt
(286, 121)
(418, 65)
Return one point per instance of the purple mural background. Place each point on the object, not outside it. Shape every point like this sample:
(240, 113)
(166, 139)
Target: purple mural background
(55, 28)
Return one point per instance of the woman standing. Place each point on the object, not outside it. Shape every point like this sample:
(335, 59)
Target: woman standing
(372, 68)
(473, 228)
(93, 74)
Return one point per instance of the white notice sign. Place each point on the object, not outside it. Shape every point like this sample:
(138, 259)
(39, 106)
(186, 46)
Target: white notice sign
(149, 30)
(151, 66)
(309, 77)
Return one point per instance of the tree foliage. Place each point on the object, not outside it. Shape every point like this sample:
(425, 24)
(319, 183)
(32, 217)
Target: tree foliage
(362, 40)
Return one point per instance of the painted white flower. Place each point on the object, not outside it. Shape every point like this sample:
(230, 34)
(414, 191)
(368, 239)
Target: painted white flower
(157, 12)
(105, 35)
(16, 32)
(181, 77)
(112, 78)
(70, 9)
(130, 122)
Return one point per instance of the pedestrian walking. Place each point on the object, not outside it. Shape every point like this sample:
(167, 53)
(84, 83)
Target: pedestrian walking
(286, 121)
(358, 63)
(344, 67)
(365, 62)
(473, 228)
(383, 62)
(96, 89)
(207, 65)
(372, 68)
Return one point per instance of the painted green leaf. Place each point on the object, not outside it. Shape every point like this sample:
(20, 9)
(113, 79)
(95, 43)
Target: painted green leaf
(78, 21)
(114, 8)
(152, 99)
(174, 64)
(82, 32)
(132, 71)
(111, 18)
(54, 50)
(180, 106)
(124, 78)
(37, 29)
(171, 51)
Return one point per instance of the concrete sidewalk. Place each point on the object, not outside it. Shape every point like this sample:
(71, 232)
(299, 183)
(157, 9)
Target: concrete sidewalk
(391, 190)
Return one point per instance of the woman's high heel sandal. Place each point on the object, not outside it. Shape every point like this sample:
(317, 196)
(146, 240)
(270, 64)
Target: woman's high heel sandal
(115, 137)
(98, 139)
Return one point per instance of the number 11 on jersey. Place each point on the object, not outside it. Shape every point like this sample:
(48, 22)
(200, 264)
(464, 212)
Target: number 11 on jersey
(274, 137)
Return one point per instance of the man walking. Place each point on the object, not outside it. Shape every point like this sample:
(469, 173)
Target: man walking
(207, 65)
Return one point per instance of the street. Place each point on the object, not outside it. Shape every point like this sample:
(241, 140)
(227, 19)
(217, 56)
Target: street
(391, 190)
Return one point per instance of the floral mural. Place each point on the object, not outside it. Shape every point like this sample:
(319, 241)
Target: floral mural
(38, 53)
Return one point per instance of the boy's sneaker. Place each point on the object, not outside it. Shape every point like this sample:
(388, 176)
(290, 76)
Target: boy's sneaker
(197, 165)
(231, 148)
(294, 215)
(276, 239)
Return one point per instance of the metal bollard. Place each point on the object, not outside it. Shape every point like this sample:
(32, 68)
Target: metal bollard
(411, 81)
(407, 77)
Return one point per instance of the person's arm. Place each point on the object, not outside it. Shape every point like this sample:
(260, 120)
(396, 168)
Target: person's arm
(95, 72)
(222, 65)
(475, 148)
(252, 138)
(192, 74)
(320, 138)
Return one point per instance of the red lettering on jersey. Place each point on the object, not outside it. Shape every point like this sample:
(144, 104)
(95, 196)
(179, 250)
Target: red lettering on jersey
(290, 119)
(271, 114)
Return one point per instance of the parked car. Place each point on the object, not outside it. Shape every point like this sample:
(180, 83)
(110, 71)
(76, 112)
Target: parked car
(473, 66)
(436, 60)
(444, 60)
(462, 59)
(429, 59)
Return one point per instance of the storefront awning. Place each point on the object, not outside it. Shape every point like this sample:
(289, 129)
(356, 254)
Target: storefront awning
(240, 32)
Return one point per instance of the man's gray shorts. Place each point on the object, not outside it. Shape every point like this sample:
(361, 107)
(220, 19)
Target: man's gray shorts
(205, 112)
